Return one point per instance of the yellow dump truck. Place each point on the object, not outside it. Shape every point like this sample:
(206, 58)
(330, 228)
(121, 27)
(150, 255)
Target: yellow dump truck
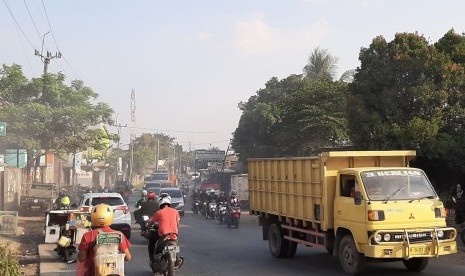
(358, 205)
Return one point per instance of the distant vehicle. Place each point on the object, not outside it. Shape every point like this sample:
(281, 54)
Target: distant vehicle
(156, 190)
(38, 196)
(151, 184)
(122, 216)
(159, 175)
(177, 199)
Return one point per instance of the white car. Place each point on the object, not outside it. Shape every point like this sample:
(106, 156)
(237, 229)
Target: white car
(122, 215)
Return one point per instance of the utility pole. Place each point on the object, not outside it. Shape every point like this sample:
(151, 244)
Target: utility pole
(48, 56)
(133, 134)
(119, 168)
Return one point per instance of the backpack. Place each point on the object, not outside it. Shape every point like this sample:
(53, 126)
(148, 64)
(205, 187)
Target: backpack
(107, 258)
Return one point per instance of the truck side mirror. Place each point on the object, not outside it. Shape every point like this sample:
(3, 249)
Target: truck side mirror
(358, 198)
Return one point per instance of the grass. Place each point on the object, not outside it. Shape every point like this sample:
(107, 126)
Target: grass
(9, 265)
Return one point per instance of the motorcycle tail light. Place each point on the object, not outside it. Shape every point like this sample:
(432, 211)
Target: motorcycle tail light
(84, 209)
(172, 236)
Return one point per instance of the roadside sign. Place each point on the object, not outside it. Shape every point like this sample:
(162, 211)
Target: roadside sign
(2, 129)
(209, 155)
(8, 222)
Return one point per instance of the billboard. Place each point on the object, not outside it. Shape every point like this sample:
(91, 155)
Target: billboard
(209, 155)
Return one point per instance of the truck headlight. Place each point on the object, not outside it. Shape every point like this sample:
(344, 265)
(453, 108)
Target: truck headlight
(378, 238)
(375, 215)
(387, 237)
(36, 200)
(440, 234)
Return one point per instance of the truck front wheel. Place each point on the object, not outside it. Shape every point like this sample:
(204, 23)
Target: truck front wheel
(416, 264)
(351, 261)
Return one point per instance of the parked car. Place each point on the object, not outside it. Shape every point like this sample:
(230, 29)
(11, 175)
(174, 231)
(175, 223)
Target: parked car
(122, 215)
(177, 199)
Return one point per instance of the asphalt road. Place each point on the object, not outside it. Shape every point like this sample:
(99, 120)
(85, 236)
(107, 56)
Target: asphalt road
(209, 248)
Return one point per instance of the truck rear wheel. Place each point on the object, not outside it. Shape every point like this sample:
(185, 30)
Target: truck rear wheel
(416, 264)
(276, 241)
(351, 261)
(291, 248)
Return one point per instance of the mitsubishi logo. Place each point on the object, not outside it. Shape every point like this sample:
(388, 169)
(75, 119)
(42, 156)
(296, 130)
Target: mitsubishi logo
(411, 216)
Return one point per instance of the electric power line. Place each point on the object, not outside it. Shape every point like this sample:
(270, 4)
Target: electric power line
(56, 44)
(32, 19)
(179, 131)
(17, 24)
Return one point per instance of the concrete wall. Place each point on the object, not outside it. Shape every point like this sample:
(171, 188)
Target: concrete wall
(10, 188)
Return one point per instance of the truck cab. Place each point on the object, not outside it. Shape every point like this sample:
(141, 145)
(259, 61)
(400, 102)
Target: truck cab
(392, 213)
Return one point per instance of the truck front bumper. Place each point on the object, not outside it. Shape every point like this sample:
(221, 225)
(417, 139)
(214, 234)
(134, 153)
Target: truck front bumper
(408, 248)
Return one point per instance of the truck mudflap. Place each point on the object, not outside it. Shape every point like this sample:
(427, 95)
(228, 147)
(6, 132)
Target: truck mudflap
(411, 243)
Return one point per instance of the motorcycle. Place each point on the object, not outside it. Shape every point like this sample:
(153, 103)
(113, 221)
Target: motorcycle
(167, 259)
(204, 208)
(211, 211)
(196, 206)
(233, 215)
(65, 246)
(221, 213)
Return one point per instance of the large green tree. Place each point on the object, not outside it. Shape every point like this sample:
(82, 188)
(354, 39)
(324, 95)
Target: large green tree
(46, 114)
(409, 94)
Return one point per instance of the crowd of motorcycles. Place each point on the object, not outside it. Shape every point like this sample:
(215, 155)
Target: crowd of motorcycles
(228, 214)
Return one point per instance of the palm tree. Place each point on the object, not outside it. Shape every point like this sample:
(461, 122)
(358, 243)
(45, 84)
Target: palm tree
(322, 66)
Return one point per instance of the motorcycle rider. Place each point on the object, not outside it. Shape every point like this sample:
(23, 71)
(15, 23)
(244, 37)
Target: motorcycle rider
(58, 200)
(221, 198)
(101, 218)
(65, 202)
(143, 198)
(147, 208)
(168, 222)
(233, 199)
(211, 196)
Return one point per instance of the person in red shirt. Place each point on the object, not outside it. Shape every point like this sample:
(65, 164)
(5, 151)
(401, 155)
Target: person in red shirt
(101, 218)
(167, 219)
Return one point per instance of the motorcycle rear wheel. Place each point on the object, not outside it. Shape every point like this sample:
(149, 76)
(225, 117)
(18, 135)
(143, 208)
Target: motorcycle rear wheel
(171, 271)
(236, 223)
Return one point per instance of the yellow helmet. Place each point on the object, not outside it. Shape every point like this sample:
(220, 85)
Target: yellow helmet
(102, 215)
(65, 201)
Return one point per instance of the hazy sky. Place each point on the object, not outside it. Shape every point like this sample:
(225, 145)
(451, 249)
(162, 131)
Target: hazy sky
(191, 62)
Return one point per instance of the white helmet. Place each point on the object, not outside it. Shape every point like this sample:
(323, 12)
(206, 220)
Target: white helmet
(144, 193)
(164, 199)
(210, 191)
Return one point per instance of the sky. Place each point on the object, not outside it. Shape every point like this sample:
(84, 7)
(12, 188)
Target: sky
(191, 62)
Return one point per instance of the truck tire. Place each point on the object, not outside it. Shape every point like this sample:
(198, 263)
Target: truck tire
(276, 241)
(416, 264)
(290, 248)
(351, 261)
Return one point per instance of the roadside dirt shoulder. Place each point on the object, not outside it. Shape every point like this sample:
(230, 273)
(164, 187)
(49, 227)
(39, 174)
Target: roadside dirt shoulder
(29, 235)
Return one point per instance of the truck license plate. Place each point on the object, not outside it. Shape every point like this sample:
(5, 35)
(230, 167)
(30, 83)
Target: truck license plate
(419, 250)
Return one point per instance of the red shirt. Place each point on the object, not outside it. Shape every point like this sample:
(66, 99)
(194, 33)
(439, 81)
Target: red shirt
(168, 219)
(89, 238)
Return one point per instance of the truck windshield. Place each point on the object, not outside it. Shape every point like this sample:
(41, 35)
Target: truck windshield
(399, 184)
